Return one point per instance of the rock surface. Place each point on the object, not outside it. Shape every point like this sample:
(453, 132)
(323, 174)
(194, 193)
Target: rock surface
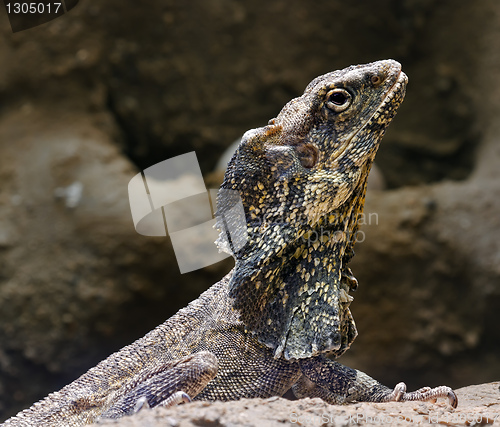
(478, 405)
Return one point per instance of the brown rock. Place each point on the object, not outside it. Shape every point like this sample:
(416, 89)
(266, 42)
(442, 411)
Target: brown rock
(478, 405)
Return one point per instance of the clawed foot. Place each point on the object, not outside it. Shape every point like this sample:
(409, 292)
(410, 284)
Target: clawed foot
(425, 394)
(175, 399)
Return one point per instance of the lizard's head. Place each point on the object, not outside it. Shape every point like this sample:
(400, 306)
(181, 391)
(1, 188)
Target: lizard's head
(305, 175)
(329, 136)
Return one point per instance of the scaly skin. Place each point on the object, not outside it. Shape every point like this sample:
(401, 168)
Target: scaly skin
(267, 326)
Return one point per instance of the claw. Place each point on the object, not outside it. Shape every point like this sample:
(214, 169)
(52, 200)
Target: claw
(452, 398)
(142, 403)
(425, 394)
(185, 398)
(399, 392)
(175, 399)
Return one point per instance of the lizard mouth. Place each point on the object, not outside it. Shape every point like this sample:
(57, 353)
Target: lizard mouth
(383, 115)
(395, 94)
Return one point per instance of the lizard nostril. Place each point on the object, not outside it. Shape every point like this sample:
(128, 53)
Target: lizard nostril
(376, 80)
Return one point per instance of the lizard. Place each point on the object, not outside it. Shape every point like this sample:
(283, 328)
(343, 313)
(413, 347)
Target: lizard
(279, 319)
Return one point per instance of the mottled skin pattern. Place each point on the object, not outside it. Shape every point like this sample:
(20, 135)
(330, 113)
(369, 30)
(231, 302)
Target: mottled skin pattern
(267, 326)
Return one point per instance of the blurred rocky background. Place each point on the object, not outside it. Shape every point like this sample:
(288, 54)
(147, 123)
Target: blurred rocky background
(89, 99)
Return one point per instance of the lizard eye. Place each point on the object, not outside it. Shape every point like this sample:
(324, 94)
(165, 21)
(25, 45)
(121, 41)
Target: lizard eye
(338, 100)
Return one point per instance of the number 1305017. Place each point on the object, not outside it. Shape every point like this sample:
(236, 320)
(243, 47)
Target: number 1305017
(33, 8)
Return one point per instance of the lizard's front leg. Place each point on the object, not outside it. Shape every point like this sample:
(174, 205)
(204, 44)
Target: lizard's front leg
(172, 382)
(338, 384)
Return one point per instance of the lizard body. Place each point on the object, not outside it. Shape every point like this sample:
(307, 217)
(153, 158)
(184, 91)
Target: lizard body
(267, 326)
